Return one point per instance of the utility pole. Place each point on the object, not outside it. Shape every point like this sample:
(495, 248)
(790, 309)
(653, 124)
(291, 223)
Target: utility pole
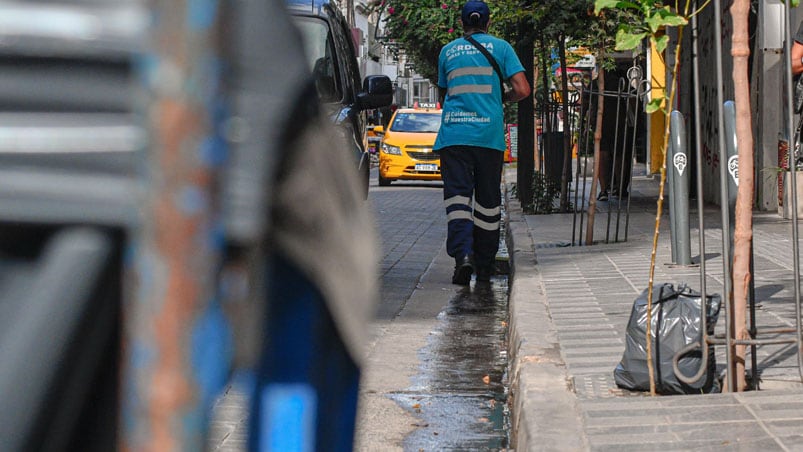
(526, 118)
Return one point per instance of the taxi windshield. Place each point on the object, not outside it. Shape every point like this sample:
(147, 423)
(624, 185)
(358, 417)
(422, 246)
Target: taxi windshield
(416, 122)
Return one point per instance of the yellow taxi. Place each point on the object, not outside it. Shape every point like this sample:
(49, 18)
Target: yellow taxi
(406, 149)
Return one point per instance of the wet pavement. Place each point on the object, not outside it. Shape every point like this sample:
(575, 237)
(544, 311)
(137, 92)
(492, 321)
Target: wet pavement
(435, 375)
(460, 392)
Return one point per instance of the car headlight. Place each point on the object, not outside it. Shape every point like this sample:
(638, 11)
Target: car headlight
(392, 150)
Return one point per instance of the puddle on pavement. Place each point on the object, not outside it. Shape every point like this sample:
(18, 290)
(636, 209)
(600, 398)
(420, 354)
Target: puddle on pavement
(460, 393)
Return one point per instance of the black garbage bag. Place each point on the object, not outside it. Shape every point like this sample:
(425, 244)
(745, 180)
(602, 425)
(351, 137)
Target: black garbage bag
(675, 324)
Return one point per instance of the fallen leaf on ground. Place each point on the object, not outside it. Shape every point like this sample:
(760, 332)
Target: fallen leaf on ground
(486, 379)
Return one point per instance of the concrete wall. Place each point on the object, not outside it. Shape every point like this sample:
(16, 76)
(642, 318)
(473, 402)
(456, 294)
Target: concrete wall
(768, 78)
(709, 107)
(770, 98)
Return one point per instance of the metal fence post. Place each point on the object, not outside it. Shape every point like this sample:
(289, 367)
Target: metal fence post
(176, 341)
(680, 190)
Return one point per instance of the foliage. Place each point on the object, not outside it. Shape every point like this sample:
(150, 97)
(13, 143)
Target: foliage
(545, 190)
(650, 20)
(420, 28)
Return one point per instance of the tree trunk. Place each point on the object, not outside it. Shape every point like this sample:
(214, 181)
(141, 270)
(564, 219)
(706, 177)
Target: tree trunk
(592, 204)
(743, 234)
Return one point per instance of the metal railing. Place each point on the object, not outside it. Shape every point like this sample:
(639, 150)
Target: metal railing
(615, 169)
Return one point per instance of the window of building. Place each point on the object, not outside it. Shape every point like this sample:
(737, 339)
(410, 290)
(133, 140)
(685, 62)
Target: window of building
(422, 91)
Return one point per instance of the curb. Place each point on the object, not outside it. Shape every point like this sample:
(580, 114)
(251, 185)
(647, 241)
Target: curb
(544, 411)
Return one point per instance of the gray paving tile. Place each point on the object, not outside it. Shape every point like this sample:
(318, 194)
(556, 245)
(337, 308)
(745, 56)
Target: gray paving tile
(580, 369)
(792, 442)
(594, 338)
(748, 444)
(584, 316)
(590, 343)
(785, 428)
(591, 310)
(778, 411)
(671, 415)
(584, 327)
(606, 351)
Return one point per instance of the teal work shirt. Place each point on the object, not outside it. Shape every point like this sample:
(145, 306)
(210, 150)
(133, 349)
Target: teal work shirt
(472, 109)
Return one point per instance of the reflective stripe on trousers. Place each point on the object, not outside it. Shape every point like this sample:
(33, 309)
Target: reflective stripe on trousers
(472, 197)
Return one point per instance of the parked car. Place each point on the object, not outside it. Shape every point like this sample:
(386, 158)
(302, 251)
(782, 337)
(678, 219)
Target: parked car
(406, 150)
(332, 58)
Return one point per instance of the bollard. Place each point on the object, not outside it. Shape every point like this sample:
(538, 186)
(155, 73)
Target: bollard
(732, 164)
(679, 197)
(670, 186)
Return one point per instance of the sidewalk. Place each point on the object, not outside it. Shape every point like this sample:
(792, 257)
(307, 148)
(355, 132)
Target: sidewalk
(568, 310)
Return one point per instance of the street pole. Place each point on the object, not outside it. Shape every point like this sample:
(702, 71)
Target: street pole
(526, 120)
(174, 334)
(350, 13)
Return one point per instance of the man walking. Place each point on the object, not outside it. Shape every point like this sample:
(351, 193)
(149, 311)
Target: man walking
(471, 140)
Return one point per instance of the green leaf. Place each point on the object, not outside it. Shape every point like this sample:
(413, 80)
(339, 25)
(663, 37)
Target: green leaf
(655, 104)
(794, 4)
(599, 5)
(661, 43)
(677, 21)
(626, 40)
(664, 18)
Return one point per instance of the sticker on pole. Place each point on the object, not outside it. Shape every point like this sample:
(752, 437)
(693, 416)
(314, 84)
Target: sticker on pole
(733, 168)
(680, 162)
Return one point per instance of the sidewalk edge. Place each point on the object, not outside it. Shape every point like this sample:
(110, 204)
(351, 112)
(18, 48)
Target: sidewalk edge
(544, 411)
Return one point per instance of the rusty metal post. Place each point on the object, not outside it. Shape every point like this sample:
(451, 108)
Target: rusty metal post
(176, 341)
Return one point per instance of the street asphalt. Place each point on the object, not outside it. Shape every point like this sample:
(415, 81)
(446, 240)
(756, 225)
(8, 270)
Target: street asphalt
(569, 306)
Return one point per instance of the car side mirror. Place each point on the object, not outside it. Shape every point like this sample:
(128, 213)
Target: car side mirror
(379, 129)
(377, 92)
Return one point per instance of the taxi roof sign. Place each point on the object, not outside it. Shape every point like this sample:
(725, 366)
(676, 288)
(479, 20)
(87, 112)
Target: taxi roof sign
(426, 105)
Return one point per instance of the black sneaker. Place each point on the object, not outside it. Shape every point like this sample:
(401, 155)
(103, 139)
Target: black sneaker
(616, 193)
(462, 271)
(484, 274)
(602, 196)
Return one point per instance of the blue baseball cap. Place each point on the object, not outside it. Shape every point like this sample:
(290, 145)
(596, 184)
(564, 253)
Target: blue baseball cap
(476, 13)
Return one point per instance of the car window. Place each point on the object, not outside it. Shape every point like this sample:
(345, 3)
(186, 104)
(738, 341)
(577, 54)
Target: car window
(321, 58)
(416, 122)
(345, 45)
